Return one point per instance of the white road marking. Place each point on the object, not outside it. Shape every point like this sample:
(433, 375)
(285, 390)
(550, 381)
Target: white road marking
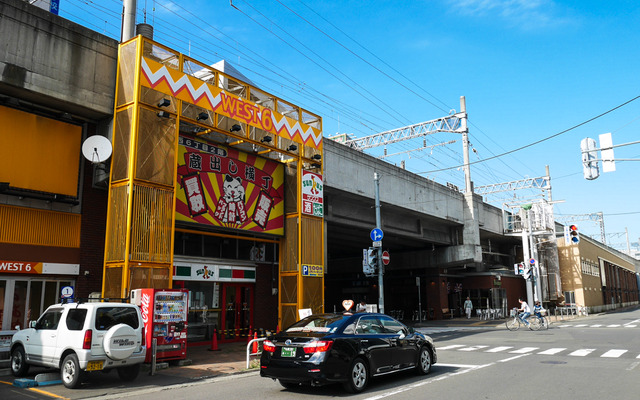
(633, 365)
(581, 325)
(426, 382)
(456, 365)
(453, 346)
(473, 348)
(614, 353)
(629, 326)
(582, 352)
(564, 326)
(553, 351)
(596, 326)
(613, 326)
(498, 349)
(524, 350)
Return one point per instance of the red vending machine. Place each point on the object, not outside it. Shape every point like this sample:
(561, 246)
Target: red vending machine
(164, 313)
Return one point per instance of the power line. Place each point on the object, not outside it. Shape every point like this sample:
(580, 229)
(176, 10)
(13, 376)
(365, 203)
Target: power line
(546, 138)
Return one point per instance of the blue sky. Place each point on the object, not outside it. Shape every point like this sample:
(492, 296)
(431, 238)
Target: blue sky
(529, 70)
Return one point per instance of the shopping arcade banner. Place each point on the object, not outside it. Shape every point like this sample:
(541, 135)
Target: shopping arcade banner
(221, 186)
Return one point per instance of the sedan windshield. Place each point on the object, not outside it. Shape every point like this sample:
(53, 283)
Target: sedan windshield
(319, 323)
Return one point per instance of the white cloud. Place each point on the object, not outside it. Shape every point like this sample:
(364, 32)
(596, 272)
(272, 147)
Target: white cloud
(524, 14)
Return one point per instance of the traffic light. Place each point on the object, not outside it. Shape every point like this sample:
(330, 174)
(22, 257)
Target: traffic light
(574, 236)
(368, 268)
(373, 255)
(590, 168)
(527, 273)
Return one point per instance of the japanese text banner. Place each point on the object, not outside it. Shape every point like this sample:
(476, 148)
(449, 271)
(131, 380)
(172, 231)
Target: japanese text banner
(225, 187)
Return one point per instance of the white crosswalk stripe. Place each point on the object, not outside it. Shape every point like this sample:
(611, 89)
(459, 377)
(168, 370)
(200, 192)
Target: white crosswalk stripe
(614, 353)
(473, 348)
(453, 346)
(553, 351)
(499, 349)
(524, 350)
(582, 352)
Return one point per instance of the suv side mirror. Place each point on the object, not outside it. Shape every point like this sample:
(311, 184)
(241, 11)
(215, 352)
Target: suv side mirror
(32, 324)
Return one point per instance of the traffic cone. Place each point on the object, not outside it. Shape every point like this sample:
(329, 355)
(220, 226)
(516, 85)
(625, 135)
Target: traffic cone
(254, 348)
(214, 341)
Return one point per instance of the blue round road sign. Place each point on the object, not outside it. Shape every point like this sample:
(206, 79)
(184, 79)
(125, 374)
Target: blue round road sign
(376, 234)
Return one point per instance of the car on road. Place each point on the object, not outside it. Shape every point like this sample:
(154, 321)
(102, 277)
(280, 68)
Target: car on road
(349, 348)
(77, 338)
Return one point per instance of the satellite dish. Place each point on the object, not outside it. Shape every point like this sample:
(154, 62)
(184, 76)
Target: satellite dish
(96, 149)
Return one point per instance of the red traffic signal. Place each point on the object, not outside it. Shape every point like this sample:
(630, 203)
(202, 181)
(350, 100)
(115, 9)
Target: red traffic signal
(573, 234)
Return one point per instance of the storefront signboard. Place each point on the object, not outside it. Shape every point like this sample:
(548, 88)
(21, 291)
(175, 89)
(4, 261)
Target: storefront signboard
(184, 271)
(221, 186)
(312, 194)
(38, 268)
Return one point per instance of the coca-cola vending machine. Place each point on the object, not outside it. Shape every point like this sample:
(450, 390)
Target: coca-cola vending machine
(164, 313)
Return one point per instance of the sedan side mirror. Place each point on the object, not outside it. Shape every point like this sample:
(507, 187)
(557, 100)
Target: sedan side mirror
(32, 324)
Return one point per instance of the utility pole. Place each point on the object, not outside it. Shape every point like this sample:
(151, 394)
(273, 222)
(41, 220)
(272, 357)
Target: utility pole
(376, 180)
(465, 145)
(526, 247)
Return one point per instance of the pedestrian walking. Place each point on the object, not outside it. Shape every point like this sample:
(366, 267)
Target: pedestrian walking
(468, 306)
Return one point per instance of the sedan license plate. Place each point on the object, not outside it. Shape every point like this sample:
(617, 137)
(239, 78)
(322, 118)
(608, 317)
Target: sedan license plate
(288, 352)
(94, 365)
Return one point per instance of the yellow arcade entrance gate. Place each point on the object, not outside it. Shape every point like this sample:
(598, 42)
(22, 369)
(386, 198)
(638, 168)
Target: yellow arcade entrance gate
(160, 93)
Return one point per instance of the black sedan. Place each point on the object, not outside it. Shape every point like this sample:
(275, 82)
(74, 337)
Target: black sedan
(347, 348)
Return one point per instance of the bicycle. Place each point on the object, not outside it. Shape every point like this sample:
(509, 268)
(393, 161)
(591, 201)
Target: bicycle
(514, 323)
(542, 321)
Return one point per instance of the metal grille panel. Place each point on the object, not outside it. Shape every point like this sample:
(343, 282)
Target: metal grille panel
(151, 224)
(39, 227)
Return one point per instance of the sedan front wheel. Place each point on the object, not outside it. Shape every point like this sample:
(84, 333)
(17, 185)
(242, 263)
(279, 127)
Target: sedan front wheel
(424, 361)
(358, 376)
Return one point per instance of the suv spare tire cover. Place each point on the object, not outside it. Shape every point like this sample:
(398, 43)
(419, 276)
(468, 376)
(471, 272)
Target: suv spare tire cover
(120, 342)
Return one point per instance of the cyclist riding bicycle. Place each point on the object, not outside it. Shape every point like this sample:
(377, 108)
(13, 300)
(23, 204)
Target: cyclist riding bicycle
(525, 312)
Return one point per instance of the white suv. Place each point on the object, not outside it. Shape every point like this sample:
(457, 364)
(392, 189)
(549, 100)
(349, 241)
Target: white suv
(79, 337)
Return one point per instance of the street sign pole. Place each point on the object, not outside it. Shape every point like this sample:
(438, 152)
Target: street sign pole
(376, 179)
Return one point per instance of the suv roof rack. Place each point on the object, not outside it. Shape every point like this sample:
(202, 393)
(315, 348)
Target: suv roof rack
(81, 300)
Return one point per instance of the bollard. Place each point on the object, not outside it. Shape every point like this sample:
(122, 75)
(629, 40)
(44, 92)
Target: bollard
(214, 341)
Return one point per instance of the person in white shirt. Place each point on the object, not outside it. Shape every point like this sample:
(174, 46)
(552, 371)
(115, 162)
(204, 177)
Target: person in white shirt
(468, 306)
(362, 306)
(525, 312)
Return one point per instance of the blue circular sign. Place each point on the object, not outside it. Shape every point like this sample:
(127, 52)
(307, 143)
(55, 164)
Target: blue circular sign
(376, 234)
(67, 292)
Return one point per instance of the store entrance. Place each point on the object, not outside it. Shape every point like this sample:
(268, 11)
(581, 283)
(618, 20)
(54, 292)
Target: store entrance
(24, 299)
(238, 312)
